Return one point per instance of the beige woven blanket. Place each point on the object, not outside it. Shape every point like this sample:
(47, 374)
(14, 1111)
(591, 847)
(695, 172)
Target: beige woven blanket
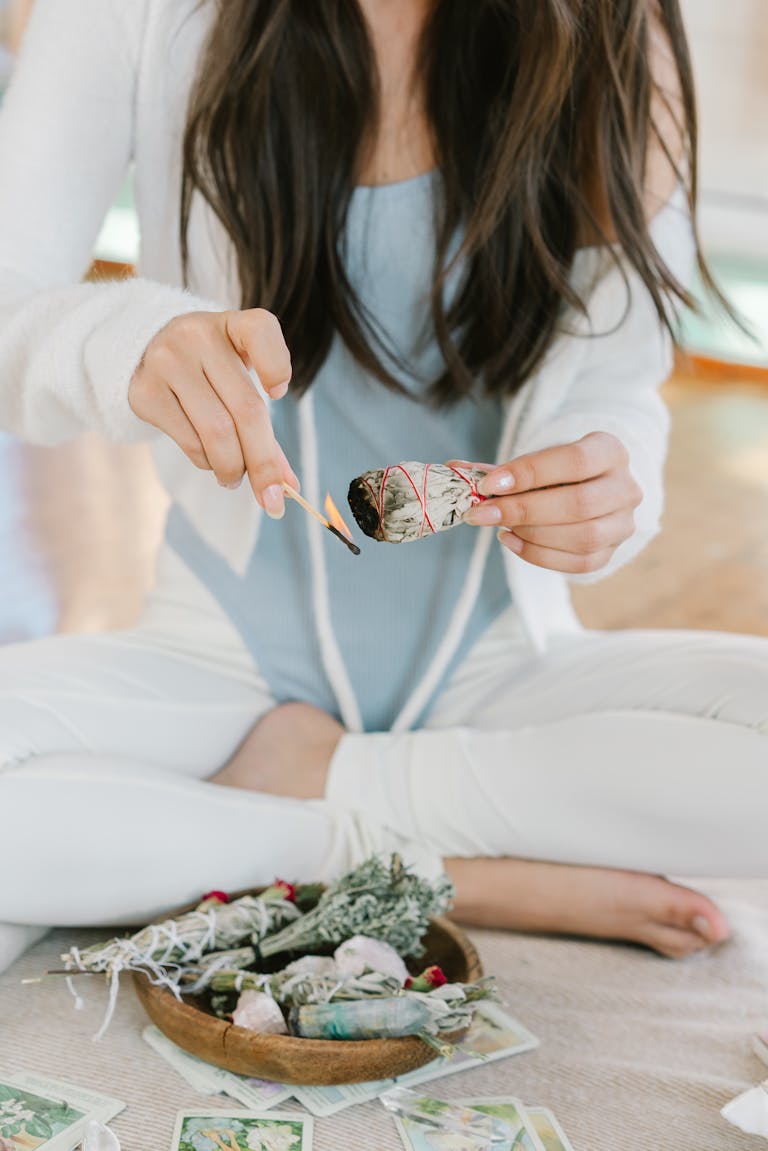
(636, 1052)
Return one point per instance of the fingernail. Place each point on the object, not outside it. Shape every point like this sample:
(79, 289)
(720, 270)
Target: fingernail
(278, 391)
(496, 483)
(483, 515)
(233, 486)
(702, 926)
(510, 540)
(274, 503)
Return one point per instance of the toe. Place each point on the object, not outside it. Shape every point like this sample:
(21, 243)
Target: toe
(691, 912)
(673, 942)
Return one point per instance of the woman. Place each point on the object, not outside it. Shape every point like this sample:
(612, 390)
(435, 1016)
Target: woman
(433, 230)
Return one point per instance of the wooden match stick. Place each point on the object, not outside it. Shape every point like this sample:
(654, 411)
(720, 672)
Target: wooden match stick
(294, 495)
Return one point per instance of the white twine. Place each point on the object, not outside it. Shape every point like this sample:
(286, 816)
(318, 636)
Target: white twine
(164, 946)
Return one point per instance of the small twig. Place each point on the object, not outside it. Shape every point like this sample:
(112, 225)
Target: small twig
(61, 971)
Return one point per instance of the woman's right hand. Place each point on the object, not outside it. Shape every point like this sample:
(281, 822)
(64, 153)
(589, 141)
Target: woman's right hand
(193, 384)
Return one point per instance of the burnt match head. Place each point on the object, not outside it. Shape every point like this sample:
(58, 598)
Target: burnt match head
(340, 535)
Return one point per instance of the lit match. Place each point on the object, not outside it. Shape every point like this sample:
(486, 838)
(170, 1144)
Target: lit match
(338, 528)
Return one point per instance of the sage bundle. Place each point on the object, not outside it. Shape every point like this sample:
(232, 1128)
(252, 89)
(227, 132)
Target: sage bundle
(407, 501)
(165, 951)
(380, 899)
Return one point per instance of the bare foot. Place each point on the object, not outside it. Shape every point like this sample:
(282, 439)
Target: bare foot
(603, 903)
(288, 752)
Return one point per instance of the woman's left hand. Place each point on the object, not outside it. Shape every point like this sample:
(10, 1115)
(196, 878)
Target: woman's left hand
(566, 508)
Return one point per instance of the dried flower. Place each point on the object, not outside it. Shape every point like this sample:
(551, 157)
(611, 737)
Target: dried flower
(283, 889)
(430, 978)
(214, 897)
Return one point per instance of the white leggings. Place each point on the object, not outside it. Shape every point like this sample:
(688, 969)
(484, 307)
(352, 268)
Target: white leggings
(646, 750)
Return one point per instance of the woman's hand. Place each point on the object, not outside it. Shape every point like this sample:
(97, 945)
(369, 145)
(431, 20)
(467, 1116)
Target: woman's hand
(566, 508)
(193, 384)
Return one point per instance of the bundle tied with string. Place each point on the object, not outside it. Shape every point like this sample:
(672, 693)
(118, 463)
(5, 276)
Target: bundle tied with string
(407, 501)
(165, 951)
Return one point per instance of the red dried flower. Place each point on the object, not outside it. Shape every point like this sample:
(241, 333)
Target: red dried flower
(430, 978)
(435, 976)
(215, 896)
(284, 890)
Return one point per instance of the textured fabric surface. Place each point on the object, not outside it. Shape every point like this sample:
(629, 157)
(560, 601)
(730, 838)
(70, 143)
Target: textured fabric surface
(636, 1051)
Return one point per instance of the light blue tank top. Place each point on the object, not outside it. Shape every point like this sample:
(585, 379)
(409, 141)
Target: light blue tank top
(391, 605)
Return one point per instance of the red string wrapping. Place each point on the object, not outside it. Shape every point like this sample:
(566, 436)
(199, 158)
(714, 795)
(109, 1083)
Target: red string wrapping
(421, 496)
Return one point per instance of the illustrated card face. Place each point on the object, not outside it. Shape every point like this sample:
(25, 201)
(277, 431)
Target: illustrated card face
(39, 1112)
(29, 1121)
(241, 1131)
(418, 1136)
(515, 1115)
(495, 1035)
(548, 1129)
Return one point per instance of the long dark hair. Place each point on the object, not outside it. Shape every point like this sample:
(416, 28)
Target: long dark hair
(539, 110)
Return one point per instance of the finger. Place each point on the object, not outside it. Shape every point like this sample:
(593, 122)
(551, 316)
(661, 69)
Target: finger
(214, 426)
(593, 455)
(258, 339)
(571, 504)
(167, 414)
(288, 474)
(470, 464)
(552, 558)
(263, 459)
(582, 539)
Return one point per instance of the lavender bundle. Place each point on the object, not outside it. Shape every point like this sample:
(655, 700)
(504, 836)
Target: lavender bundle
(407, 501)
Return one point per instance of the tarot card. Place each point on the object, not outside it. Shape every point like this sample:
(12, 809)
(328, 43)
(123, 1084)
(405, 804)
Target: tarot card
(37, 1112)
(492, 1035)
(421, 1136)
(524, 1134)
(255, 1094)
(92, 1103)
(241, 1131)
(548, 1129)
(30, 1120)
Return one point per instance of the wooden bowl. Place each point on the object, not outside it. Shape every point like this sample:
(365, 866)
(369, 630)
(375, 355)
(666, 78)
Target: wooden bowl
(286, 1059)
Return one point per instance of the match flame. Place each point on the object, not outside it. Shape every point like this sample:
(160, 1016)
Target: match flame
(335, 517)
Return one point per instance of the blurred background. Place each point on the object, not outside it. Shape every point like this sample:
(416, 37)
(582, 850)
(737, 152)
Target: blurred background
(80, 524)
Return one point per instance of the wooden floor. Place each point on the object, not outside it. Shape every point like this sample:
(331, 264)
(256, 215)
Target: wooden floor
(79, 526)
(709, 566)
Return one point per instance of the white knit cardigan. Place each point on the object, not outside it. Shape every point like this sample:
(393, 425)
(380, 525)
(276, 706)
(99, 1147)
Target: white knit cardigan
(103, 84)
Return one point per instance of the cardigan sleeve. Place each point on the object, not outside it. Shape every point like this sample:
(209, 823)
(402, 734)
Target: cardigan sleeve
(628, 356)
(68, 349)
